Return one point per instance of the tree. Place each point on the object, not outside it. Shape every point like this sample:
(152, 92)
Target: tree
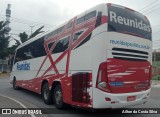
(12, 49)
(158, 56)
(38, 31)
(23, 37)
(4, 41)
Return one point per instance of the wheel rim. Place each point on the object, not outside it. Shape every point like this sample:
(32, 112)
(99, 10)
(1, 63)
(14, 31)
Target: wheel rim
(46, 93)
(58, 97)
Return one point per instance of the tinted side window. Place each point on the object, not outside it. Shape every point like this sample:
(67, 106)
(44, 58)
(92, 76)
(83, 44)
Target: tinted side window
(60, 29)
(30, 51)
(86, 17)
(18, 56)
(37, 47)
(62, 45)
(90, 15)
(84, 41)
(27, 52)
(69, 25)
(80, 20)
(24, 53)
(50, 45)
(98, 21)
(76, 35)
(50, 34)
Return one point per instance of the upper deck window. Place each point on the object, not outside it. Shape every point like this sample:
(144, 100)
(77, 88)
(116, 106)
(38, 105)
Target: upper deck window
(80, 20)
(69, 25)
(90, 15)
(86, 17)
(57, 31)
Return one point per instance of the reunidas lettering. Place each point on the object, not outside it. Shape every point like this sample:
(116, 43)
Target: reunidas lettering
(23, 66)
(128, 22)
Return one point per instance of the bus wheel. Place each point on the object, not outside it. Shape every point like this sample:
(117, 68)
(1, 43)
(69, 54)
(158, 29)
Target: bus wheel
(47, 95)
(58, 97)
(14, 84)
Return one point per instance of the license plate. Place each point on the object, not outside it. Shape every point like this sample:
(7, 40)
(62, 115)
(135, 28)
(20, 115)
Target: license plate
(131, 98)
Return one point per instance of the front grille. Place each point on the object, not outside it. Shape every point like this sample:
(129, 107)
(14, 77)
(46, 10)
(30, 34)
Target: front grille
(129, 54)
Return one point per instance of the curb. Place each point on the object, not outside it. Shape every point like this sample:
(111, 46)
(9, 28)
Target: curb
(155, 85)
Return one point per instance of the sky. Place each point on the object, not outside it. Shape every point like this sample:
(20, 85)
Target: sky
(51, 13)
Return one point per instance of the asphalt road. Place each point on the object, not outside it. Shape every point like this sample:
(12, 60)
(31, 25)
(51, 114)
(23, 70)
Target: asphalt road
(32, 100)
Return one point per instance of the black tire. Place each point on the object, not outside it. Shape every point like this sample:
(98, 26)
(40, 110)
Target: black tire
(14, 84)
(58, 98)
(47, 94)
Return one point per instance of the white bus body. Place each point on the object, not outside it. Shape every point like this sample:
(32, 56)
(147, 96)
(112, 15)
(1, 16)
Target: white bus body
(99, 59)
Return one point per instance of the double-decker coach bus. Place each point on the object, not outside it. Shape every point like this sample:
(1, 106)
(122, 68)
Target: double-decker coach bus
(98, 59)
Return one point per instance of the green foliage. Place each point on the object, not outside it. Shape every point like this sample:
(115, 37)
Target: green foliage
(4, 72)
(157, 77)
(23, 37)
(156, 70)
(4, 40)
(156, 64)
(38, 31)
(11, 50)
(157, 56)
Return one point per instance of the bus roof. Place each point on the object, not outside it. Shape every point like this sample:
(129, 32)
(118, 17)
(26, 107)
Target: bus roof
(63, 24)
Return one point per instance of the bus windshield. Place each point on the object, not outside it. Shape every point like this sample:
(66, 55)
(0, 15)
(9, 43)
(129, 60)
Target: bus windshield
(125, 20)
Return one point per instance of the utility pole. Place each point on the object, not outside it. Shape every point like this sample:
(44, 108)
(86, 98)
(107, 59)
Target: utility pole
(8, 15)
(32, 28)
